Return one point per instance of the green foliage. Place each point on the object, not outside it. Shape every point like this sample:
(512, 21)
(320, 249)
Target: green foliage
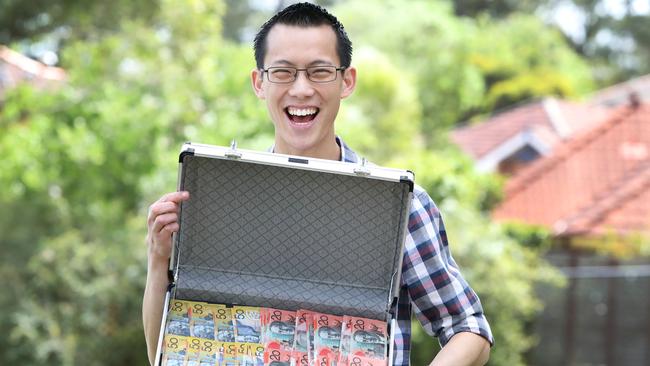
(79, 305)
(614, 245)
(68, 180)
(449, 175)
(83, 160)
(494, 8)
(613, 37)
(382, 117)
(424, 347)
(70, 19)
(520, 58)
(445, 83)
(74, 170)
(463, 67)
(531, 236)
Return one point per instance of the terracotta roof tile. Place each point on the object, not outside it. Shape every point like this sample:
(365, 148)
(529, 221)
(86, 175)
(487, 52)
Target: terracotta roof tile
(574, 184)
(619, 94)
(477, 140)
(559, 119)
(625, 210)
(581, 117)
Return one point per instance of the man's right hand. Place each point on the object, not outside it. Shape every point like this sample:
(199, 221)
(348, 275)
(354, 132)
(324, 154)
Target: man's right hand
(162, 222)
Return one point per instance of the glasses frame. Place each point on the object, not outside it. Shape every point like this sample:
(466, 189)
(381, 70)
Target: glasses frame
(295, 76)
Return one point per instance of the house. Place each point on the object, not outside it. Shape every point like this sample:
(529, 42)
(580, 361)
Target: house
(596, 184)
(618, 94)
(593, 193)
(511, 139)
(16, 68)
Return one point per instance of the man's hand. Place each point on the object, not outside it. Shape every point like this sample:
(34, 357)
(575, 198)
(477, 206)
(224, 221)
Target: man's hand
(162, 222)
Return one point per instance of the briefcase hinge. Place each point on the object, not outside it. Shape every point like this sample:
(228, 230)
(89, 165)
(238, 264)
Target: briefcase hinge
(361, 169)
(233, 153)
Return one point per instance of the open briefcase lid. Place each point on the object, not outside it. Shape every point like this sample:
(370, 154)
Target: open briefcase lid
(288, 232)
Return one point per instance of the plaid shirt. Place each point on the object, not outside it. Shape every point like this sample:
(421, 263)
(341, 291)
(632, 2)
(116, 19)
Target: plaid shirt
(432, 286)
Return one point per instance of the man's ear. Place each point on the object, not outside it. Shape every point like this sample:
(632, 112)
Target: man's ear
(257, 77)
(349, 81)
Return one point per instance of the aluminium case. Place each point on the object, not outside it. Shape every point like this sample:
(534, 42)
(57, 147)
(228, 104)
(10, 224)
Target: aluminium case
(289, 232)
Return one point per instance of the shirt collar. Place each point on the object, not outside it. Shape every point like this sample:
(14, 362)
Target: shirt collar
(347, 154)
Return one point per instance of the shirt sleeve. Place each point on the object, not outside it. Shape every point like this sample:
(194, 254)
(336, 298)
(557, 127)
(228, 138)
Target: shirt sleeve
(441, 299)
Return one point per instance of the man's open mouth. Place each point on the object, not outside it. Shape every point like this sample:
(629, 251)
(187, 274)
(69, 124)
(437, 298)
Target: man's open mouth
(301, 115)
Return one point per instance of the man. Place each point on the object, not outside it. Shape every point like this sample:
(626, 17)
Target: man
(303, 58)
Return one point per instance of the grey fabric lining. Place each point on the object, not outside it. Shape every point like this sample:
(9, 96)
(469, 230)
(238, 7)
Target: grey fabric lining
(264, 235)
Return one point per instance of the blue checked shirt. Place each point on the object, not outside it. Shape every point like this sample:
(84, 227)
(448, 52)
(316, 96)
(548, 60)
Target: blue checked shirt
(432, 286)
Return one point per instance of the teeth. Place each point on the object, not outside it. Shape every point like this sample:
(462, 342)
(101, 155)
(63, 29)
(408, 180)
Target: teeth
(301, 111)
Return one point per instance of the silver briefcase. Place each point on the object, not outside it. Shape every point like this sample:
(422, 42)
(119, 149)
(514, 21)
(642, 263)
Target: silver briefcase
(289, 232)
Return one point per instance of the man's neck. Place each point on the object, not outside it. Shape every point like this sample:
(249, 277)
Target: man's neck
(330, 150)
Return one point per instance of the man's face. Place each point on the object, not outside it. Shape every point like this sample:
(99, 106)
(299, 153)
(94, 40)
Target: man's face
(303, 111)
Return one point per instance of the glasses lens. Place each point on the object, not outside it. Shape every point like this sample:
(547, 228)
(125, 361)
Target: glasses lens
(281, 74)
(321, 74)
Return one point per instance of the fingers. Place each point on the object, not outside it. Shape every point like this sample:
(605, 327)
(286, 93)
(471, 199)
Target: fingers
(164, 220)
(176, 197)
(170, 228)
(161, 208)
(167, 203)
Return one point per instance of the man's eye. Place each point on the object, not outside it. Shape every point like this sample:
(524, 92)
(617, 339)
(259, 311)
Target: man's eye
(281, 72)
(321, 72)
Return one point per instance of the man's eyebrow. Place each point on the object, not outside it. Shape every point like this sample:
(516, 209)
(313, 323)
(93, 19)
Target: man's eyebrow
(313, 63)
(320, 62)
(283, 62)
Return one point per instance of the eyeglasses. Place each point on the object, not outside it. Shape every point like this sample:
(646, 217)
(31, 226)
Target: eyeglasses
(287, 74)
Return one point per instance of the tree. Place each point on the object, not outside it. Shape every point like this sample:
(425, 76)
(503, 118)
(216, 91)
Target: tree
(61, 21)
(612, 35)
(383, 115)
(90, 156)
(495, 8)
(464, 67)
(521, 59)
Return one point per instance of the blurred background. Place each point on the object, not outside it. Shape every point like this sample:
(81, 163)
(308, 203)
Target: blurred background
(528, 122)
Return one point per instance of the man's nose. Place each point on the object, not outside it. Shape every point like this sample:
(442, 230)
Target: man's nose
(302, 86)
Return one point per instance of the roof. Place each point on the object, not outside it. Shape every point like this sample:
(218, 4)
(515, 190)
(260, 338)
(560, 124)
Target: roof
(16, 68)
(619, 94)
(541, 125)
(595, 183)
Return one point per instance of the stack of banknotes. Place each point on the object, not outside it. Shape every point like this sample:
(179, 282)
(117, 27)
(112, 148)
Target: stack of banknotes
(202, 334)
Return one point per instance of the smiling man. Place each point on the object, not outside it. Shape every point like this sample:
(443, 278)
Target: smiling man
(303, 58)
(303, 77)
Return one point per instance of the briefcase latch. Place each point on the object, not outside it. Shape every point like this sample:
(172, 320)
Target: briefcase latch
(233, 153)
(361, 169)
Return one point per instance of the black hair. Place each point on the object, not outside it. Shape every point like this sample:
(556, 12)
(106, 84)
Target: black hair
(304, 15)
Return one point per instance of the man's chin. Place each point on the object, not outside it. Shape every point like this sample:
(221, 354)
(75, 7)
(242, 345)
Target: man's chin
(299, 144)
